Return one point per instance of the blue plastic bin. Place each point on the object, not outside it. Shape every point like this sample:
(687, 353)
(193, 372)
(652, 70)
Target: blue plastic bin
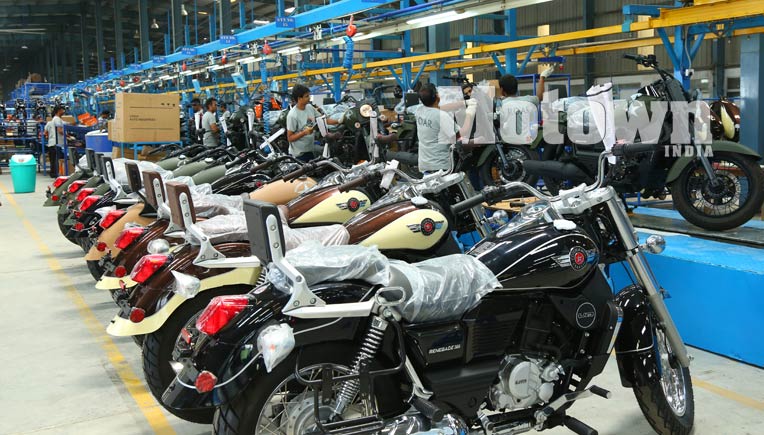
(98, 142)
(23, 173)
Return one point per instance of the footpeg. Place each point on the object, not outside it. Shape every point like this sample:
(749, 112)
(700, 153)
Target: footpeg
(430, 410)
(578, 426)
(605, 394)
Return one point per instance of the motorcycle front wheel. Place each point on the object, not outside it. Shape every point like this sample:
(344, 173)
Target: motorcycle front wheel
(276, 403)
(732, 202)
(668, 403)
(494, 172)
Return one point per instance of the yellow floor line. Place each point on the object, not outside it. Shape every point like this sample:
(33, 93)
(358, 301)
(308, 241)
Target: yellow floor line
(143, 398)
(727, 394)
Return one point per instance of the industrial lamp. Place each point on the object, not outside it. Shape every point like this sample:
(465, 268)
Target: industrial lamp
(154, 24)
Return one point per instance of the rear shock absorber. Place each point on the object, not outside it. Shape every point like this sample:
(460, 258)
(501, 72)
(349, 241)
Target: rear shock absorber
(371, 344)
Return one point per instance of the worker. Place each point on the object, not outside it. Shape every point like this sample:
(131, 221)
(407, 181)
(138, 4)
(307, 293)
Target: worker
(508, 85)
(437, 131)
(196, 119)
(103, 119)
(224, 109)
(54, 139)
(300, 123)
(210, 124)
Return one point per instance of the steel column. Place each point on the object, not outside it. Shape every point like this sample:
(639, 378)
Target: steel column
(143, 14)
(242, 14)
(118, 37)
(99, 37)
(720, 82)
(588, 58)
(83, 26)
(225, 17)
(438, 40)
(177, 24)
(752, 92)
(510, 29)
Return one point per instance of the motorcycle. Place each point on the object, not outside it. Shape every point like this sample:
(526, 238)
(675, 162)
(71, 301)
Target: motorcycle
(502, 340)
(717, 192)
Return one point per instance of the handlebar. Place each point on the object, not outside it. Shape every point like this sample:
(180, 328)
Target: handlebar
(308, 167)
(271, 162)
(630, 150)
(360, 181)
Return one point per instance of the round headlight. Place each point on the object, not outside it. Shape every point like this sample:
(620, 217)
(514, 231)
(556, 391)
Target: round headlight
(366, 110)
(158, 246)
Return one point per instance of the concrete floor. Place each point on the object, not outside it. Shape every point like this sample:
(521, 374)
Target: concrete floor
(60, 373)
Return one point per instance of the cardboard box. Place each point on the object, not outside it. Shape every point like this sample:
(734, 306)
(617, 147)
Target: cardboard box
(143, 154)
(145, 118)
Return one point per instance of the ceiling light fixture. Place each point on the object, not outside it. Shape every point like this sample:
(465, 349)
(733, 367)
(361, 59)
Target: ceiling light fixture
(136, 35)
(444, 17)
(289, 10)
(260, 22)
(183, 10)
(203, 13)
(24, 47)
(154, 24)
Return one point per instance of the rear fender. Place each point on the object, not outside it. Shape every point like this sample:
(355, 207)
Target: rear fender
(110, 235)
(233, 355)
(635, 350)
(716, 146)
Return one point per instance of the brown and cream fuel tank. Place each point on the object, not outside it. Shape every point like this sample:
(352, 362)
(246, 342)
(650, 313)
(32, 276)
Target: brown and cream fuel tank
(281, 192)
(402, 225)
(326, 205)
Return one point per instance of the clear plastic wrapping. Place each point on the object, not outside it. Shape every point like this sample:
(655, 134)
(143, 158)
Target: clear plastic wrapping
(442, 288)
(216, 204)
(318, 263)
(327, 235)
(275, 343)
(221, 229)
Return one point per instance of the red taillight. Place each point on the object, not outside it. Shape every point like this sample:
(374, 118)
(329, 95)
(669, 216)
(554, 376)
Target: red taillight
(137, 315)
(84, 193)
(111, 217)
(79, 226)
(55, 197)
(101, 246)
(219, 312)
(128, 236)
(88, 202)
(120, 271)
(59, 181)
(147, 266)
(205, 382)
(76, 186)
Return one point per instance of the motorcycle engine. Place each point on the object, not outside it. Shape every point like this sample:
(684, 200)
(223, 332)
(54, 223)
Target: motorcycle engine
(524, 382)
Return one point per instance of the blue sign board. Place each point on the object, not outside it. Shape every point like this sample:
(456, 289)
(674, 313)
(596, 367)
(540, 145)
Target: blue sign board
(159, 59)
(188, 51)
(228, 39)
(197, 87)
(285, 22)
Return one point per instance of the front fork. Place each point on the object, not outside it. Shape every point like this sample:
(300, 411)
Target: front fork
(646, 278)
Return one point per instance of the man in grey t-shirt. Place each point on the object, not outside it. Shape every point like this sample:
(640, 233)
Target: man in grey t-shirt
(300, 122)
(436, 132)
(210, 124)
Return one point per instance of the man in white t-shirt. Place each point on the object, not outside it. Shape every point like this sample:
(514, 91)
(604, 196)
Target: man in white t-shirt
(54, 139)
(210, 124)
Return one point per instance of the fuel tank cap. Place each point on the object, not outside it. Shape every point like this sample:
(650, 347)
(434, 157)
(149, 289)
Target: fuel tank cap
(419, 201)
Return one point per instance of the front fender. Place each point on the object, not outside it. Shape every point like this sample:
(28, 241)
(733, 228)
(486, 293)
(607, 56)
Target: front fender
(232, 354)
(716, 146)
(634, 346)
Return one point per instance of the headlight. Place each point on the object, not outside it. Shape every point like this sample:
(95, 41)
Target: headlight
(366, 110)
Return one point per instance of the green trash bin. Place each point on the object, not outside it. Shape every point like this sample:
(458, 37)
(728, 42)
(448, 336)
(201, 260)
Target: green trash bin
(23, 173)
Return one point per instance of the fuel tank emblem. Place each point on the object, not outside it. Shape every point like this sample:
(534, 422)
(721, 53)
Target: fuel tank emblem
(426, 227)
(577, 258)
(352, 204)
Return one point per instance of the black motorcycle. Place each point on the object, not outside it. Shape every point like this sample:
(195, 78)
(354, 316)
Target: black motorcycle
(427, 351)
(717, 192)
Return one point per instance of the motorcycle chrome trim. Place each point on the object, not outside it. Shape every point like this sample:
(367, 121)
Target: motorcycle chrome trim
(419, 389)
(223, 263)
(352, 309)
(120, 327)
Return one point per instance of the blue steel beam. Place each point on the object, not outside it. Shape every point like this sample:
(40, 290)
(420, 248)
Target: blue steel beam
(99, 37)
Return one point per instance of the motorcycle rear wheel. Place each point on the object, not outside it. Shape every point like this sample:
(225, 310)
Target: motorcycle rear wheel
(668, 403)
(696, 200)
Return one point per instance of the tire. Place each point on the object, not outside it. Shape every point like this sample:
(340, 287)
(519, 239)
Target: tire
(681, 187)
(160, 344)
(240, 415)
(95, 268)
(659, 413)
(492, 173)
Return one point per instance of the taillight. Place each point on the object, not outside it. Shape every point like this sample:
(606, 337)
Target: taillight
(59, 181)
(147, 266)
(55, 197)
(128, 236)
(76, 186)
(137, 315)
(88, 202)
(101, 246)
(84, 193)
(219, 312)
(205, 382)
(79, 226)
(111, 217)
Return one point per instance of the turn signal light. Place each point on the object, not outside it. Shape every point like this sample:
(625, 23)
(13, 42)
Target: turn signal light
(59, 181)
(55, 197)
(88, 202)
(128, 236)
(76, 186)
(111, 217)
(147, 266)
(205, 382)
(137, 315)
(84, 193)
(220, 311)
(101, 246)
(79, 226)
(120, 271)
